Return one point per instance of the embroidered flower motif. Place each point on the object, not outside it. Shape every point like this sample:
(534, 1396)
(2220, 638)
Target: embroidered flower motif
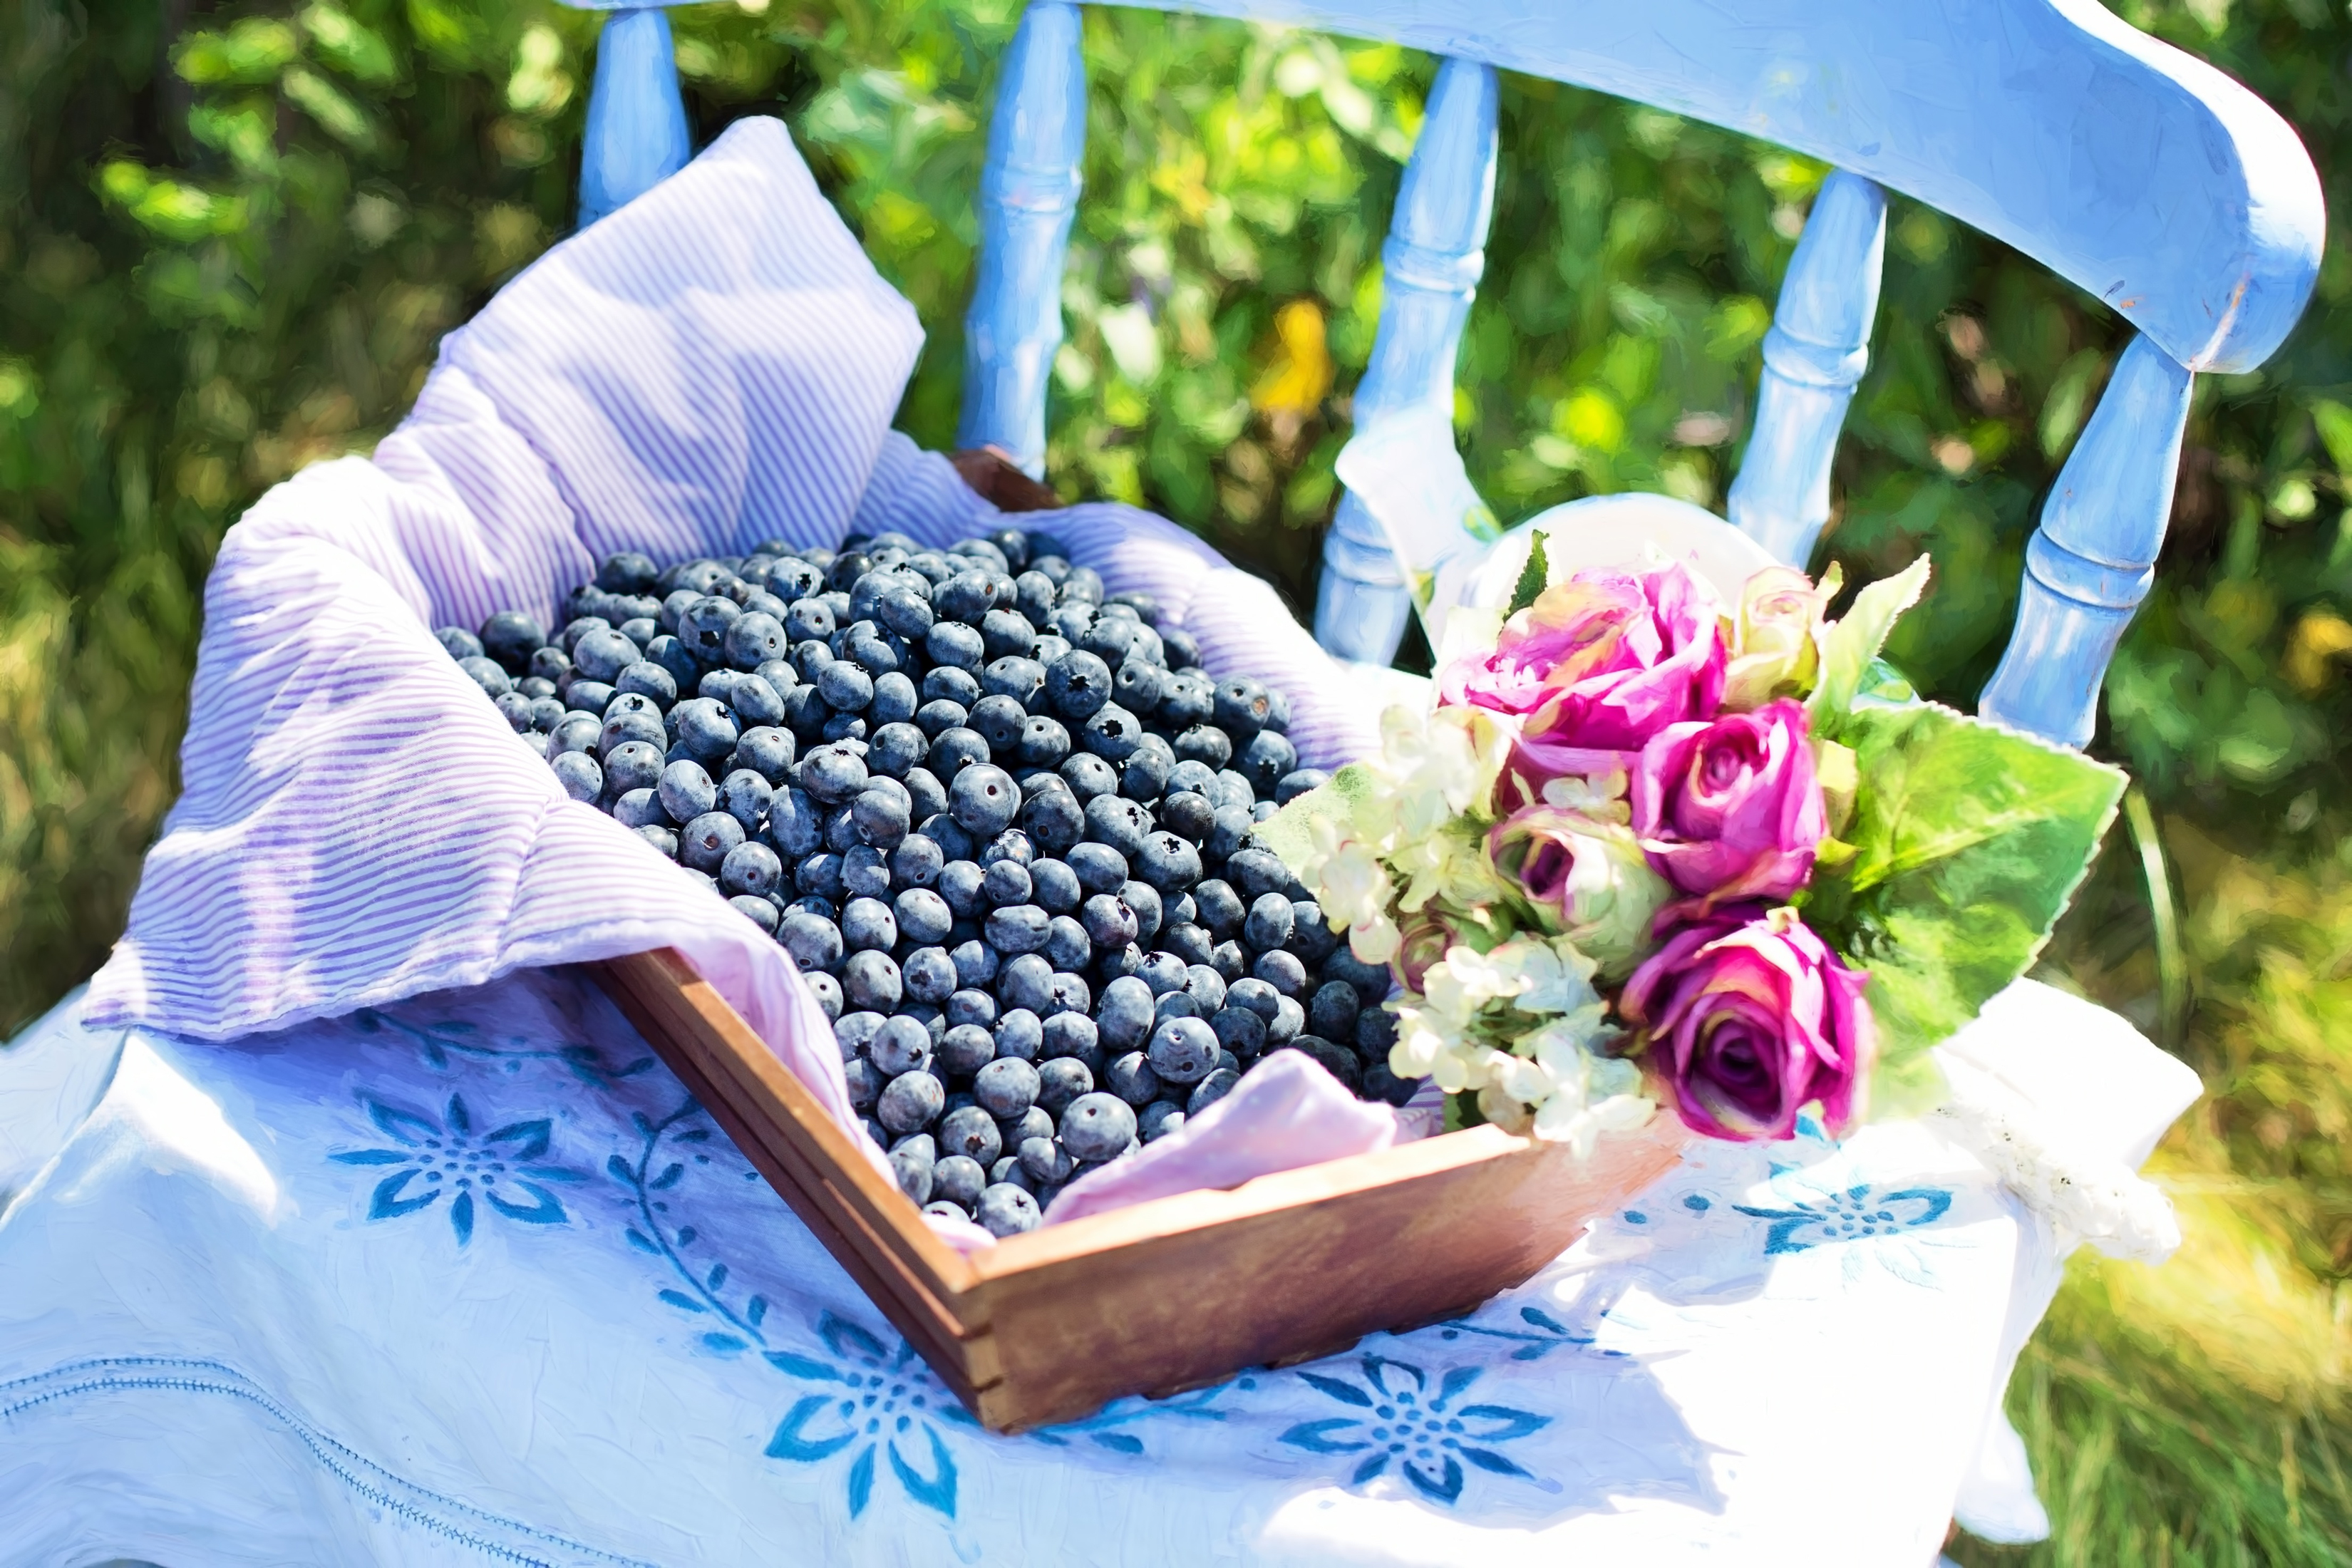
(1426, 1435)
(443, 1157)
(884, 1401)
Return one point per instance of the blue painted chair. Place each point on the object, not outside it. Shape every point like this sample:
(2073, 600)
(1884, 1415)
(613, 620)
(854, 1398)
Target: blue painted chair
(2134, 171)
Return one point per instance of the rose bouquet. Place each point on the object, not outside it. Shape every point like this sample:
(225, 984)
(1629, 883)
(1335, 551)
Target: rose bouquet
(1654, 848)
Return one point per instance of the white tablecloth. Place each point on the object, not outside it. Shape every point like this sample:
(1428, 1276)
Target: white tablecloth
(471, 1279)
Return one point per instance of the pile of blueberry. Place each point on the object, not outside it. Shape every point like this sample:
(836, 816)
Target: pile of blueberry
(1001, 820)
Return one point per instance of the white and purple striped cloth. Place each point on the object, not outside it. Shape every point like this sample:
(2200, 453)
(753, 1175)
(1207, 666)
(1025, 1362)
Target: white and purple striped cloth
(713, 365)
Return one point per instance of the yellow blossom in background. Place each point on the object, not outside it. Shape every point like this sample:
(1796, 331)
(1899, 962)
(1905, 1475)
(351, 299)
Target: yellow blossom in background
(1301, 372)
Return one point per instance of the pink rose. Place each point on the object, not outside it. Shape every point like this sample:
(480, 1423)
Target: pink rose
(1732, 809)
(1746, 1017)
(1600, 662)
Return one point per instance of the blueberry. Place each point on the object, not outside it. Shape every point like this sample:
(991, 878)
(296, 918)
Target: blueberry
(1229, 791)
(459, 643)
(1044, 1161)
(1096, 1127)
(868, 923)
(966, 596)
(743, 796)
(983, 798)
(928, 975)
(1004, 882)
(756, 701)
(1016, 928)
(1205, 744)
(662, 838)
(1020, 1035)
(923, 917)
(1168, 862)
(1014, 677)
(959, 1180)
(1239, 1030)
(1068, 991)
(1206, 987)
(1142, 901)
(1220, 909)
(965, 1049)
(954, 750)
(1005, 1210)
(632, 765)
(486, 673)
(865, 1082)
(578, 732)
(813, 942)
(1072, 1034)
(1033, 591)
(954, 645)
(579, 775)
(916, 1169)
(1026, 981)
(1089, 776)
(1311, 936)
(870, 979)
(1008, 633)
(1211, 1090)
(1113, 734)
(882, 817)
(705, 730)
(1006, 1088)
(1062, 1081)
(1001, 721)
(1228, 960)
(1337, 1060)
(900, 1046)
(1177, 1004)
(687, 791)
(1067, 946)
(1269, 923)
(1076, 686)
(833, 774)
(865, 872)
(1288, 1022)
(751, 869)
(703, 626)
(1371, 980)
(510, 637)
(1257, 873)
(1333, 1010)
(1298, 782)
(1183, 1050)
(975, 961)
(1123, 825)
(971, 1006)
(845, 687)
(1138, 686)
(1125, 1018)
(904, 612)
(1131, 1079)
(1243, 707)
(1099, 868)
(794, 825)
(972, 1132)
(1282, 971)
(1186, 700)
(752, 639)
(647, 679)
(1158, 1119)
(1054, 818)
(707, 839)
(961, 883)
(910, 1102)
(926, 796)
(819, 875)
(940, 715)
(823, 987)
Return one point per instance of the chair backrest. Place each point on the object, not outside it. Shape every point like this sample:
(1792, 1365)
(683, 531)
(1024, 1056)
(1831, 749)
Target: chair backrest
(2139, 174)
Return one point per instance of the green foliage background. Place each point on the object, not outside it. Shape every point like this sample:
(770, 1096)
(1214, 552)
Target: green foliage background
(230, 237)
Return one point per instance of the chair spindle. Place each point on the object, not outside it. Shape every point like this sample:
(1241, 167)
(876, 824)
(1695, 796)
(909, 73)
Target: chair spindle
(1816, 351)
(1028, 196)
(1431, 264)
(2092, 560)
(636, 134)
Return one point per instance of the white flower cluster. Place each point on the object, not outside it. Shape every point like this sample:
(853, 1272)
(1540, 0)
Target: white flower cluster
(1523, 1026)
(2085, 1196)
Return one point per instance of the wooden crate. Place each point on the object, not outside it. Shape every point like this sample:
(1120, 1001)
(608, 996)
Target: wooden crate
(1163, 1296)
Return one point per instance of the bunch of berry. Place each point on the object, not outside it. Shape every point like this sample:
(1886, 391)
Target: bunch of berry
(1001, 822)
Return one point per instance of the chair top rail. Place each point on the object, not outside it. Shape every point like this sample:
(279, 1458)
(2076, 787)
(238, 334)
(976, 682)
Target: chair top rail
(2133, 170)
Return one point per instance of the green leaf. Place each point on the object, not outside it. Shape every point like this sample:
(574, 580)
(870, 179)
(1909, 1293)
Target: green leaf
(1534, 577)
(1855, 641)
(1290, 832)
(1969, 840)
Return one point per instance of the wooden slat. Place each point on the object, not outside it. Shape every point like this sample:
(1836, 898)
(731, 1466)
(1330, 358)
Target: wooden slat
(1306, 1260)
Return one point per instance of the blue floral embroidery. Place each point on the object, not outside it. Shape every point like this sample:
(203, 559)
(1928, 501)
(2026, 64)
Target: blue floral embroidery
(1427, 1435)
(1849, 1215)
(437, 1043)
(443, 1157)
(880, 1404)
(1550, 1335)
